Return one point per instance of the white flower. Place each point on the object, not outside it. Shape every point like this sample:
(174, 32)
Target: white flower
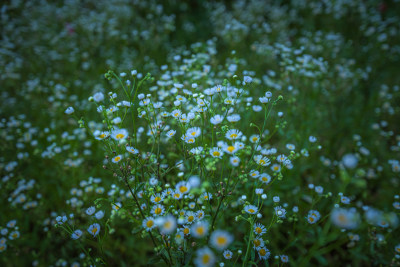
(90, 210)
(99, 215)
(98, 97)
(199, 229)
(76, 234)
(167, 225)
(204, 257)
(69, 110)
(94, 229)
(119, 134)
(132, 150)
(217, 119)
(220, 239)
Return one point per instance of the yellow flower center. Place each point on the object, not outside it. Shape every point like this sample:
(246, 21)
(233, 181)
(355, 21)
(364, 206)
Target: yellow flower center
(157, 199)
(183, 189)
(186, 231)
(216, 153)
(206, 258)
(233, 136)
(262, 252)
(117, 158)
(230, 148)
(257, 242)
(251, 210)
(200, 230)
(190, 218)
(221, 240)
(157, 211)
(258, 230)
(342, 218)
(149, 223)
(94, 230)
(120, 136)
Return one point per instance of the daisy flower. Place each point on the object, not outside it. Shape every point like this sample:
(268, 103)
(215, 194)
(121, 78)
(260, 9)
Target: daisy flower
(119, 134)
(261, 160)
(204, 257)
(233, 118)
(265, 178)
(234, 161)
(281, 158)
(258, 242)
(216, 152)
(251, 209)
(196, 150)
(157, 198)
(69, 110)
(116, 159)
(157, 210)
(199, 229)
(199, 214)
(190, 217)
(254, 138)
(179, 237)
(290, 146)
(94, 229)
(220, 239)
(259, 229)
(276, 167)
(189, 139)
(206, 196)
(233, 134)
(257, 108)
(164, 114)
(117, 206)
(218, 88)
(167, 192)
(280, 212)
(167, 225)
(14, 235)
(170, 133)
(76, 234)
(176, 113)
(254, 174)
(102, 135)
(177, 195)
(186, 230)
(227, 254)
(217, 119)
(230, 149)
(3, 247)
(183, 187)
(311, 219)
(345, 200)
(132, 150)
(284, 258)
(264, 253)
(345, 218)
(91, 210)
